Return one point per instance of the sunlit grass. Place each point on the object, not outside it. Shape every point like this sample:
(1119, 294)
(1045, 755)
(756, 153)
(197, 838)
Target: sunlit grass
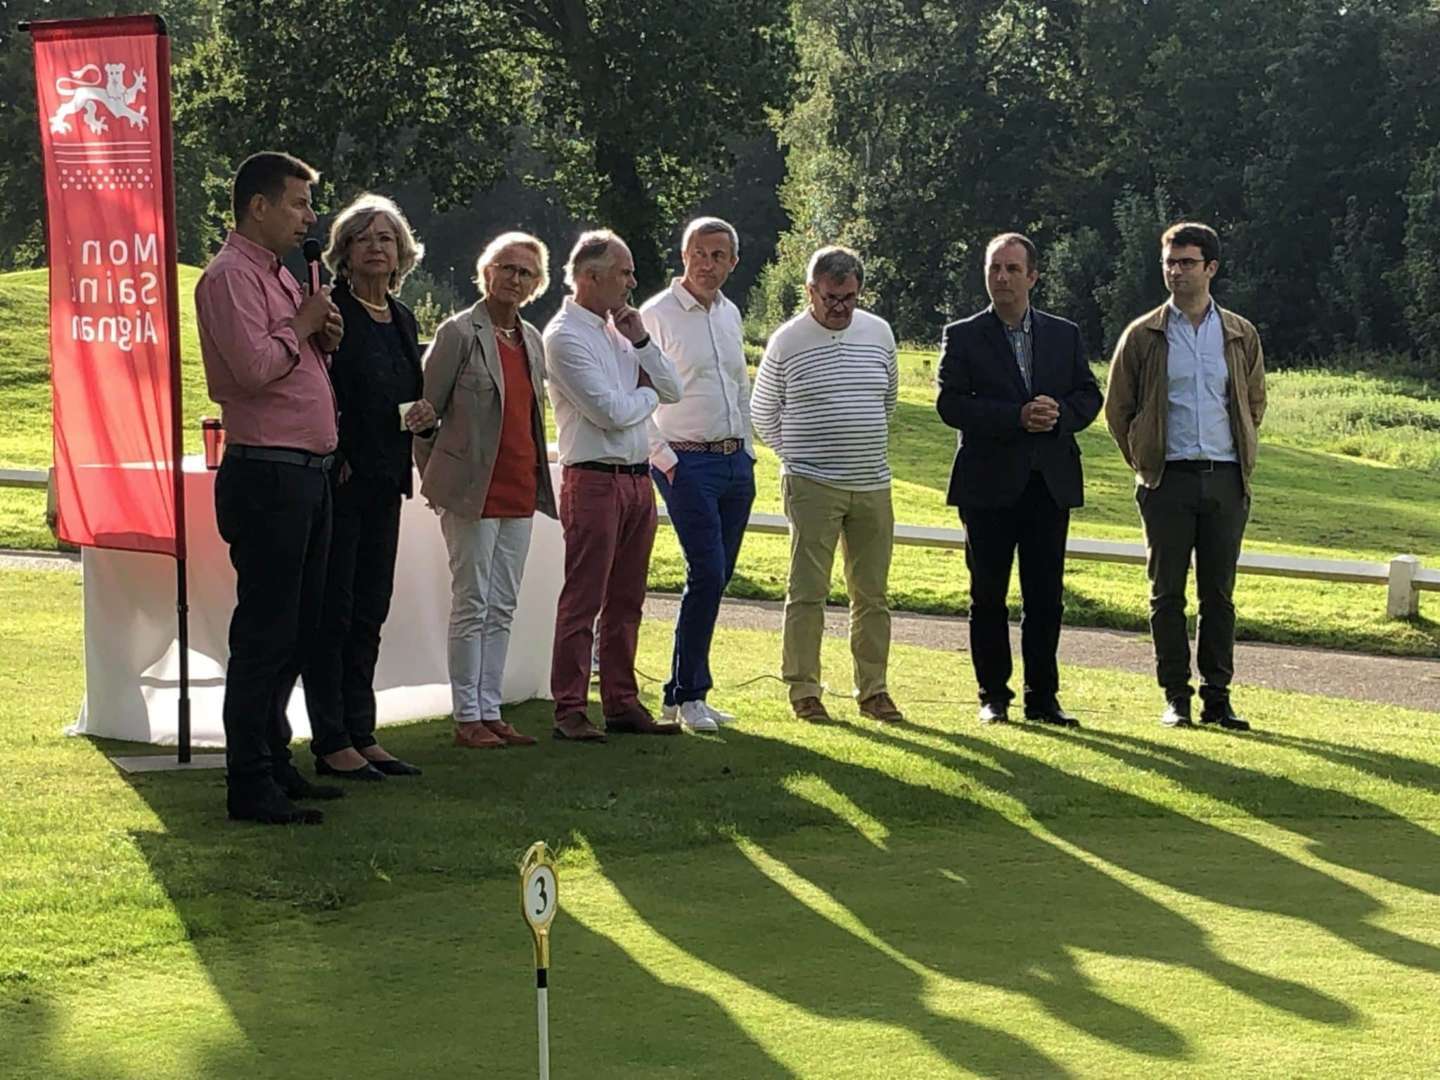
(779, 900)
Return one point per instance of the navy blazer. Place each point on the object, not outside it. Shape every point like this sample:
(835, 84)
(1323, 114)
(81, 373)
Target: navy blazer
(981, 393)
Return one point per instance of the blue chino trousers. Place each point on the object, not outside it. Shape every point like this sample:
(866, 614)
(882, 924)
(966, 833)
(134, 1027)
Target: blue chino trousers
(709, 504)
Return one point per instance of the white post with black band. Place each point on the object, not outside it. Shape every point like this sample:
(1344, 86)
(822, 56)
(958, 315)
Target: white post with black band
(539, 897)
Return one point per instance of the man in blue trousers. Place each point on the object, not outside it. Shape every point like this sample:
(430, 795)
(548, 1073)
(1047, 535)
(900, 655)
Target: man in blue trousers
(702, 453)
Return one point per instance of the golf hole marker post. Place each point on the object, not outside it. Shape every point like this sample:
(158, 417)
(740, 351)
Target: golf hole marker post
(539, 898)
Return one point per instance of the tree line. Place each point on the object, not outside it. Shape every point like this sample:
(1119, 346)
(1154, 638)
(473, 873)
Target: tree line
(1306, 131)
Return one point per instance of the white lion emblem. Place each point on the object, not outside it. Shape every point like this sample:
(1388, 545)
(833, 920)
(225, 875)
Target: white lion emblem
(85, 92)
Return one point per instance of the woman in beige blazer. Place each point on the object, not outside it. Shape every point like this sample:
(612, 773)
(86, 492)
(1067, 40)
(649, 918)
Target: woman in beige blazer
(486, 471)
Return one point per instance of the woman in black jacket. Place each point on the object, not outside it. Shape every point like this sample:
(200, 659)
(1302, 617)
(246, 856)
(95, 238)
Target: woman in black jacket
(375, 371)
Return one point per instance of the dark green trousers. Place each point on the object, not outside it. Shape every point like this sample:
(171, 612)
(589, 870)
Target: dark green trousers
(1200, 510)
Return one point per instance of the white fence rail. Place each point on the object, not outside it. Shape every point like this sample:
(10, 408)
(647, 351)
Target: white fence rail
(1403, 576)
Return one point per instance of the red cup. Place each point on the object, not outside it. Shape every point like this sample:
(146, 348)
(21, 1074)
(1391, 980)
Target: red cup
(213, 432)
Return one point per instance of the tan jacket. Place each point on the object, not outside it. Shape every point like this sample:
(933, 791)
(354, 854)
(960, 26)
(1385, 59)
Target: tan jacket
(1137, 398)
(465, 383)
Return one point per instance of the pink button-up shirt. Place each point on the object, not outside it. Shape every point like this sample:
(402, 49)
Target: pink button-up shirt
(273, 389)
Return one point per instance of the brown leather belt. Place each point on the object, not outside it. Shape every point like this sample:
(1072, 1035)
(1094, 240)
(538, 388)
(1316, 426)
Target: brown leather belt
(724, 446)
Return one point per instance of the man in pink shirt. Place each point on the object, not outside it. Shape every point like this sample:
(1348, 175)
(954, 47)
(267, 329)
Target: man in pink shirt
(265, 345)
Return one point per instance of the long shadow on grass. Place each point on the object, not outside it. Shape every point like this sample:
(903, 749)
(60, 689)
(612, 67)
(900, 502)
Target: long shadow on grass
(1234, 870)
(387, 942)
(1008, 911)
(1380, 764)
(1307, 811)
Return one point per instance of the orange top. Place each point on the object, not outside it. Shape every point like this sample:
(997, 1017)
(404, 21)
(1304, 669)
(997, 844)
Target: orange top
(512, 484)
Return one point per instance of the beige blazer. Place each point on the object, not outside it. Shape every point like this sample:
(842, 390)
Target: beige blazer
(1137, 402)
(466, 385)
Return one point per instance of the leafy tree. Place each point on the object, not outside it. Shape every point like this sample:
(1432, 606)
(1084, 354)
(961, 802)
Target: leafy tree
(22, 193)
(1418, 279)
(641, 105)
(373, 93)
(1072, 272)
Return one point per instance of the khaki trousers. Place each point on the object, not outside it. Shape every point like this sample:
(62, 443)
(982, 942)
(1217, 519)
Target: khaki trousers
(864, 522)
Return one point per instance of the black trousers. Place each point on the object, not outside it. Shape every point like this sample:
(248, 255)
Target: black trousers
(276, 519)
(359, 581)
(1037, 528)
(1204, 513)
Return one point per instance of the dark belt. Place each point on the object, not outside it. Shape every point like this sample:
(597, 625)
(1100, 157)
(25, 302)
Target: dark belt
(1188, 465)
(724, 446)
(303, 458)
(604, 466)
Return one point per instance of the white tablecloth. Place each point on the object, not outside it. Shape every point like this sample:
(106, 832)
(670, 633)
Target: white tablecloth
(131, 639)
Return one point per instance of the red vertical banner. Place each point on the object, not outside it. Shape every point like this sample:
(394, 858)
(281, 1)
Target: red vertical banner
(103, 89)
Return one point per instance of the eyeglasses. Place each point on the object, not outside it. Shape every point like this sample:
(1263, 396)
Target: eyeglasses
(524, 273)
(831, 301)
(1183, 264)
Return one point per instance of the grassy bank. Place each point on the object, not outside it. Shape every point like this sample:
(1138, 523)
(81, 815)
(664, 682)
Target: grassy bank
(1349, 469)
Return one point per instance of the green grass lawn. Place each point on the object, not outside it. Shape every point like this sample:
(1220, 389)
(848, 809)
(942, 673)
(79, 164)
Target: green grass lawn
(780, 900)
(1349, 469)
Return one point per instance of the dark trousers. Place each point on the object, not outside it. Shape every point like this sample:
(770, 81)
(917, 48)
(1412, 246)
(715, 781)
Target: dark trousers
(609, 526)
(1203, 513)
(359, 580)
(709, 505)
(276, 519)
(1037, 528)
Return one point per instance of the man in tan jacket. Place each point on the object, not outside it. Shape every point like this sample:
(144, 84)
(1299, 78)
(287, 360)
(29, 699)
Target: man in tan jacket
(1185, 399)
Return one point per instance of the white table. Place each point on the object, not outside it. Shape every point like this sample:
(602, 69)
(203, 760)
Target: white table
(132, 649)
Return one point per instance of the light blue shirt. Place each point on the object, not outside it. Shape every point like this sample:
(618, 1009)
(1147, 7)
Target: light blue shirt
(1198, 426)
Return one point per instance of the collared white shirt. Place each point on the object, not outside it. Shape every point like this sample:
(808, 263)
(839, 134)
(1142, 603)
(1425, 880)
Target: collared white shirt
(708, 348)
(591, 371)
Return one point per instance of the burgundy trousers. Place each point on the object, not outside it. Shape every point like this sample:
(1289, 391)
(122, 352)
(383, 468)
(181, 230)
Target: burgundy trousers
(609, 525)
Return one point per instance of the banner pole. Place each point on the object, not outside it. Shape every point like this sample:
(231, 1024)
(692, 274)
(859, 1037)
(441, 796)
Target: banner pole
(177, 419)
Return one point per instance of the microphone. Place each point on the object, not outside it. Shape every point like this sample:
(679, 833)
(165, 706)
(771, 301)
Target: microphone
(311, 248)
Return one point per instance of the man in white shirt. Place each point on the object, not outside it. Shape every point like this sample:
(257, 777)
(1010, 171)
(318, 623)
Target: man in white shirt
(701, 454)
(605, 379)
(824, 397)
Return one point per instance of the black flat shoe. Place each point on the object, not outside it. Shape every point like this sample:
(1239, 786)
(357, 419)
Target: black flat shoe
(295, 786)
(1224, 716)
(365, 772)
(267, 804)
(396, 767)
(1051, 713)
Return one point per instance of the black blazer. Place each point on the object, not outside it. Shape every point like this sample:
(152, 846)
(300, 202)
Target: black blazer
(981, 392)
(370, 436)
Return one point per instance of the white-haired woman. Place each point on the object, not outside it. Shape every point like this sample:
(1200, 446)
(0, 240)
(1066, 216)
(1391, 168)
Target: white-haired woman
(485, 469)
(375, 370)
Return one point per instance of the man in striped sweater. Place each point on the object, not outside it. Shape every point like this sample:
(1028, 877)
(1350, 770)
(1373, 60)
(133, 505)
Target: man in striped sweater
(823, 400)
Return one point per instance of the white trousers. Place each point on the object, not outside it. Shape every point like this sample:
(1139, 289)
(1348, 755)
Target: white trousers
(487, 560)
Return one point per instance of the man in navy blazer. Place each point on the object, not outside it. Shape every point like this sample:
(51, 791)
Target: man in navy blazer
(1015, 384)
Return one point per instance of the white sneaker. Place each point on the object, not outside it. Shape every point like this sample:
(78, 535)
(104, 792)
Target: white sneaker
(670, 712)
(718, 716)
(695, 717)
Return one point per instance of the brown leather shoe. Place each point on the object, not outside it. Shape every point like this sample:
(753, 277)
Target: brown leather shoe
(883, 708)
(476, 736)
(638, 721)
(811, 709)
(576, 727)
(508, 734)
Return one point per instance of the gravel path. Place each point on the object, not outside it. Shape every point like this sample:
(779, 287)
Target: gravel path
(1413, 683)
